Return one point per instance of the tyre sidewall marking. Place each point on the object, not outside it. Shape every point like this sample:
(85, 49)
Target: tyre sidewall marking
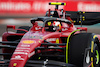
(92, 46)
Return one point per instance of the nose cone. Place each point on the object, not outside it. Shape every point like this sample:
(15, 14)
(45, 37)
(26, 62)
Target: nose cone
(18, 61)
(24, 50)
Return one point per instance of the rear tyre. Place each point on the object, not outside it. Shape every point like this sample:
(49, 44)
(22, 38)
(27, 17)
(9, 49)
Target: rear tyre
(84, 50)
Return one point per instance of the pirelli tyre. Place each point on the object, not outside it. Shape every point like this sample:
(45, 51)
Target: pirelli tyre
(84, 50)
(23, 27)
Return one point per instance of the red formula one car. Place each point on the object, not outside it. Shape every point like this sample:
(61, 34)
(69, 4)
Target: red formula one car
(50, 42)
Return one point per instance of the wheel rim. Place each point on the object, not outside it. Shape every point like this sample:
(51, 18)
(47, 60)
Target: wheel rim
(97, 57)
(88, 57)
(88, 61)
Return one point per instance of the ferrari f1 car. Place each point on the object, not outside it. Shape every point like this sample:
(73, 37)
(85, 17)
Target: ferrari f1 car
(50, 42)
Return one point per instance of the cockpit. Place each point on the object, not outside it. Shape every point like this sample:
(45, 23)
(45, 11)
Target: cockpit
(50, 24)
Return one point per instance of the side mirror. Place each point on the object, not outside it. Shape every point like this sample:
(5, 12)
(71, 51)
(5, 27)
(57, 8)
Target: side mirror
(82, 28)
(11, 26)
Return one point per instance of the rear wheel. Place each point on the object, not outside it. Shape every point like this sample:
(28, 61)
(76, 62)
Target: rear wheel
(84, 50)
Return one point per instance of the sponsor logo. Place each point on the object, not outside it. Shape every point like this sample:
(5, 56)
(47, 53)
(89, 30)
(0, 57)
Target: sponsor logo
(28, 41)
(25, 45)
(21, 53)
(32, 53)
(14, 64)
(18, 57)
(64, 29)
(34, 37)
(21, 50)
(51, 39)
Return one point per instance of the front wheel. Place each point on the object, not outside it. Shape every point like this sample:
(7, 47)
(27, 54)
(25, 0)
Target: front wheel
(84, 50)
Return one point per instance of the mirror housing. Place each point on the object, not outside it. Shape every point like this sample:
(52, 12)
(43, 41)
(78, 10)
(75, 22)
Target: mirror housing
(11, 26)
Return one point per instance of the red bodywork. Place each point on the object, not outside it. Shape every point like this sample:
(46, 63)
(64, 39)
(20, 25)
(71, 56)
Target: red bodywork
(33, 38)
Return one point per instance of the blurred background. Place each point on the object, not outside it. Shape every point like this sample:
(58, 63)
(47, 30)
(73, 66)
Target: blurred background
(19, 12)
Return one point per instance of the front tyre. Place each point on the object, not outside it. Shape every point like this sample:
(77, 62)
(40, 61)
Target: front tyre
(84, 51)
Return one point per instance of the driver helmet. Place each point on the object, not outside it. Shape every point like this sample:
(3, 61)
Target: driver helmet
(56, 23)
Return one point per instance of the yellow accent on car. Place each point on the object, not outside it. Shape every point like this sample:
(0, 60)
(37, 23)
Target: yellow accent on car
(83, 12)
(92, 62)
(92, 44)
(39, 41)
(59, 26)
(79, 21)
(94, 36)
(39, 58)
(57, 40)
(83, 17)
(57, 3)
(15, 64)
(97, 62)
(49, 23)
(67, 44)
(74, 21)
(27, 41)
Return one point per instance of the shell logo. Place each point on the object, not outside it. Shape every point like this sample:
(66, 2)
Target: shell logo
(28, 41)
(15, 64)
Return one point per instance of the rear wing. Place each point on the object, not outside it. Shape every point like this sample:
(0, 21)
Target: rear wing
(88, 18)
(57, 4)
(79, 17)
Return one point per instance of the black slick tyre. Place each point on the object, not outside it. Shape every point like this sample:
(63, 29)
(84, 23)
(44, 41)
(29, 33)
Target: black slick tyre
(80, 46)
